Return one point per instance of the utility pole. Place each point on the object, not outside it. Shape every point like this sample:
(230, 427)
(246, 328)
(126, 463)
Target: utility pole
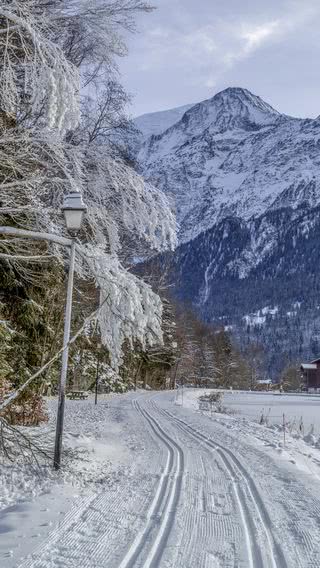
(175, 373)
(182, 389)
(97, 374)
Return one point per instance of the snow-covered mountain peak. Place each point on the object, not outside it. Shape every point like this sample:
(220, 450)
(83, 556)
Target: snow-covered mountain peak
(235, 99)
(229, 109)
(233, 155)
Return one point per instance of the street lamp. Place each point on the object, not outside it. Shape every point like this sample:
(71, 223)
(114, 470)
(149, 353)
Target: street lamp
(73, 209)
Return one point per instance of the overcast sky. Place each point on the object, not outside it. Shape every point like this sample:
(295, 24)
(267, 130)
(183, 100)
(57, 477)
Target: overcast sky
(188, 50)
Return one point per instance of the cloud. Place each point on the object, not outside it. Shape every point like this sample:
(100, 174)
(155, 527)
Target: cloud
(248, 38)
(251, 36)
(190, 52)
(213, 47)
(181, 47)
(260, 34)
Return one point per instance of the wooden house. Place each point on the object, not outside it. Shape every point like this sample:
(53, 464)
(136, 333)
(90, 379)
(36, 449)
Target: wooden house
(311, 376)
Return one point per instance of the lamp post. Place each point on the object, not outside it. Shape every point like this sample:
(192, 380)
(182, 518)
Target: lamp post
(73, 209)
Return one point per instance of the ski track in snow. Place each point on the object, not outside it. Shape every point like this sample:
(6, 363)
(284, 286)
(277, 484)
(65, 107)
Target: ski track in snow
(193, 504)
(238, 472)
(163, 505)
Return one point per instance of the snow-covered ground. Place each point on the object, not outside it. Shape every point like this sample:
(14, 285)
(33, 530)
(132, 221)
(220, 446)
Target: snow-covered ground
(301, 411)
(298, 441)
(33, 502)
(165, 485)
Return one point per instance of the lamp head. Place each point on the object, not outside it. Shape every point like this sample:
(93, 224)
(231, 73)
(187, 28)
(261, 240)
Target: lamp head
(73, 209)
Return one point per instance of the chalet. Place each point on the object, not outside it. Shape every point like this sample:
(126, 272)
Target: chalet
(311, 375)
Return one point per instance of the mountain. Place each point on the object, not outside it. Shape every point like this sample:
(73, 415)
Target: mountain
(244, 179)
(158, 122)
(233, 155)
(277, 301)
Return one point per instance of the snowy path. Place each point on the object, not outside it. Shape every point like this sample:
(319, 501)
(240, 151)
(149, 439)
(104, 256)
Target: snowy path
(255, 521)
(198, 495)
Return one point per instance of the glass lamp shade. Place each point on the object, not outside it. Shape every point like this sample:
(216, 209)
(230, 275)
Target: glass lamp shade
(73, 209)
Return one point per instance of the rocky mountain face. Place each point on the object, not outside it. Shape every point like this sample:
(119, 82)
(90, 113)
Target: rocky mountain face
(244, 180)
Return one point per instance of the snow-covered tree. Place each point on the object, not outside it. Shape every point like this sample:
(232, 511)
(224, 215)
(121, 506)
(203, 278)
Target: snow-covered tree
(58, 56)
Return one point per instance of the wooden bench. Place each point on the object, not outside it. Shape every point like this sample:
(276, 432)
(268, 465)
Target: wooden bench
(204, 405)
(77, 395)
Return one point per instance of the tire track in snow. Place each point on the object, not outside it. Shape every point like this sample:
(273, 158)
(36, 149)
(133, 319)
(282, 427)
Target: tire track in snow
(237, 470)
(163, 505)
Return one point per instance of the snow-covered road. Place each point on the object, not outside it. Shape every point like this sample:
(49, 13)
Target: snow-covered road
(196, 492)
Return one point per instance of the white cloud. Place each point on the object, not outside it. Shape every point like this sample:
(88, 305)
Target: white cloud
(260, 34)
(185, 53)
(181, 46)
(247, 38)
(212, 47)
(250, 36)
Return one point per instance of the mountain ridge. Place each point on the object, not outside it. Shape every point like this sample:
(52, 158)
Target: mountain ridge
(157, 122)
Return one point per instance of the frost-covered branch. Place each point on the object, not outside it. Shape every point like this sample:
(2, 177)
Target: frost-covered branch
(34, 69)
(34, 235)
(130, 309)
(123, 204)
(91, 33)
(30, 258)
(14, 444)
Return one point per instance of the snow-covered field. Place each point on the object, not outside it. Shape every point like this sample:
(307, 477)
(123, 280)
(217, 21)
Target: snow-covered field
(151, 483)
(243, 411)
(301, 411)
